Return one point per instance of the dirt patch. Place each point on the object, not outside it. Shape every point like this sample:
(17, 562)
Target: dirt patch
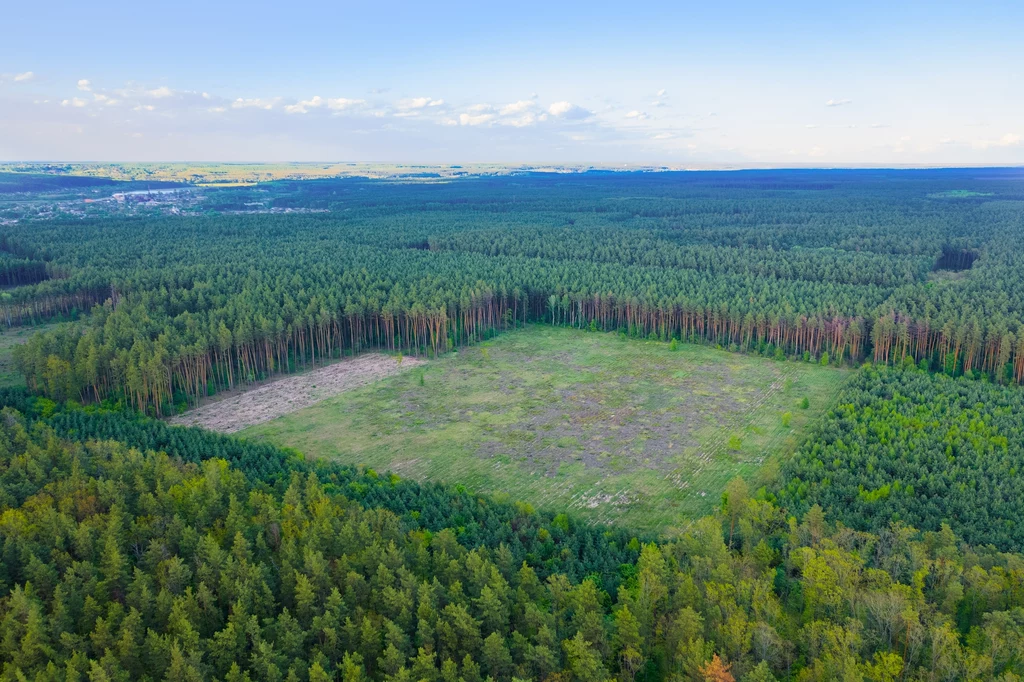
(288, 394)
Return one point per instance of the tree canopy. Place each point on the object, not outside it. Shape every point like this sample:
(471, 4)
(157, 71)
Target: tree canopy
(121, 563)
(843, 265)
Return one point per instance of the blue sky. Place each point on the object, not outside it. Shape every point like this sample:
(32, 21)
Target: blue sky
(682, 84)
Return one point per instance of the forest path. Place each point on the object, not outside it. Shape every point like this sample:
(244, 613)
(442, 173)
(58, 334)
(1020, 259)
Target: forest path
(270, 400)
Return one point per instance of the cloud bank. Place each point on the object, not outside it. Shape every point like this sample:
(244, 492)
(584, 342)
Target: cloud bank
(87, 118)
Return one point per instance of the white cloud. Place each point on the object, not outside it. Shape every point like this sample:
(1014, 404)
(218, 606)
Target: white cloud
(527, 119)
(478, 119)
(254, 103)
(343, 103)
(617, 123)
(419, 103)
(134, 91)
(559, 108)
(24, 77)
(1007, 140)
(568, 110)
(516, 107)
(303, 106)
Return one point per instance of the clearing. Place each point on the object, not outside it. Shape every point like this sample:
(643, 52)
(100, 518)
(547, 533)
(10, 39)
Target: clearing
(616, 430)
(247, 407)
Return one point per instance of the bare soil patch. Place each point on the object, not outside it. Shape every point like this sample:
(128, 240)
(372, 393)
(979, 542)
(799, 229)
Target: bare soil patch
(288, 394)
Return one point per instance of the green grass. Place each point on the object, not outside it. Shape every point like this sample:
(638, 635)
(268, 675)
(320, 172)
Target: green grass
(615, 430)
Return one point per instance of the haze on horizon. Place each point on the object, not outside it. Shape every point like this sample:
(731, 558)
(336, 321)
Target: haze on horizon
(682, 84)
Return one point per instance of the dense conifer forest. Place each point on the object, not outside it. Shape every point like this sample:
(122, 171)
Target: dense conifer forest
(885, 549)
(924, 449)
(124, 563)
(841, 266)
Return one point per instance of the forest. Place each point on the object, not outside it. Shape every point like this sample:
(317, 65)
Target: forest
(122, 563)
(839, 266)
(886, 548)
(923, 449)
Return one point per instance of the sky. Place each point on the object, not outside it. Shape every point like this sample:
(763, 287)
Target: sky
(681, 84)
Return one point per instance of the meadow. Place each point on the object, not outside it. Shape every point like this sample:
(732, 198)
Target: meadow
(617, 431)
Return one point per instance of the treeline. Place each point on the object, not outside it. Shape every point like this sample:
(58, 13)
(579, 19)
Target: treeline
(193, 329)
(16, 271)
(925, 449)
(20, 265)
(190, 306)
(120, 564)
(48, 182)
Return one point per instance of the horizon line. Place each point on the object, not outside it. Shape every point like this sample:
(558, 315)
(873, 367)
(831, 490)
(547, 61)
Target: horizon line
(549, 165)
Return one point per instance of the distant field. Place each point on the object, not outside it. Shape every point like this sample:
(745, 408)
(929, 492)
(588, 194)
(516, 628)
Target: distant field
(616, 430)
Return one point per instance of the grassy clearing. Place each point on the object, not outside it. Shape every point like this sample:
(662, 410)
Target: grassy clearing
(616, 430)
